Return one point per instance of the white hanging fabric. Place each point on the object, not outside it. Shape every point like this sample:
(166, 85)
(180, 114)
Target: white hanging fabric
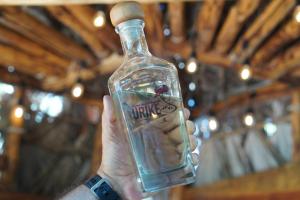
(283, 141)
(233, 147)
(259, 155)
(212, 160)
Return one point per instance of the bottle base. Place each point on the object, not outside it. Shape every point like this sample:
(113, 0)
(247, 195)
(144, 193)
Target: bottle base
(156, 182)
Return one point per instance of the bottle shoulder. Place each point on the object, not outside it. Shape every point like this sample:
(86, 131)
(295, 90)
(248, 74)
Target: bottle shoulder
(140, 63)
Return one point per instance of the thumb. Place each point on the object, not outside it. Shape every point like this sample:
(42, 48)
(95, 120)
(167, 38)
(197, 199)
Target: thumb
(108, 115)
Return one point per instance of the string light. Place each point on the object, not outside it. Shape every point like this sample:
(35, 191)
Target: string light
(167, 31)
(192, 86)
(10, 69)
(213, 123)
(99, 19)
(249, 119)
(297, 15)
(192, 65)
(191, 103)
(19, 111)
(181, 65)
(270, 128)
(77, 90)
(245, 73)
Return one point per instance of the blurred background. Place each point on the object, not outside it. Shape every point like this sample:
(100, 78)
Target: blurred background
(239, 68)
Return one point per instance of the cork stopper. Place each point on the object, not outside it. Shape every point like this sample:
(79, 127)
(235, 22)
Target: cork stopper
(126, 11)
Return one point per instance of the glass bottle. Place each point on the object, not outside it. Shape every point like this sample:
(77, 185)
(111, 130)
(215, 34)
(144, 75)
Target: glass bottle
(147, 97)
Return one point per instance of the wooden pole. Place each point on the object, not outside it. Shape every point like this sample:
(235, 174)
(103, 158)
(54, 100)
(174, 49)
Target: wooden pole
(13, 141)
(295, 119)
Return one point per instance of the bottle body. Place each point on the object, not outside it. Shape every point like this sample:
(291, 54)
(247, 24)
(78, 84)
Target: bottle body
(149, 103)
(147, 97)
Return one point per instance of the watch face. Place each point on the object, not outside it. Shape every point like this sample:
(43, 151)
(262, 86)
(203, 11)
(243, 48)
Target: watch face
(103, 189)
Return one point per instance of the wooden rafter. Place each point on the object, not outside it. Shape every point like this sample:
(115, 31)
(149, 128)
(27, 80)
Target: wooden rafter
(207, 22)
(69, 20)
(26, 63)
(17, 78)
(283, 63)
(39, 32)
(32, 48)
(295, 121)
(270, 91)
(261, 28)
(154, 30)
(177, 16)
(85, 14)
(288, 33)
(64, 2)
(234, 22)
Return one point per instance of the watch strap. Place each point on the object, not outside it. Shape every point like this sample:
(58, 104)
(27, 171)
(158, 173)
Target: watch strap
(101, 188)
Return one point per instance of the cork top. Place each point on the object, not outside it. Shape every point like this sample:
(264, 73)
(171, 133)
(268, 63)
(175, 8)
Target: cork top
(126, 11)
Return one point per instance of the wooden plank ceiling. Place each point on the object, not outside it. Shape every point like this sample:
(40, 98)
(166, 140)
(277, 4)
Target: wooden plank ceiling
(50, 46)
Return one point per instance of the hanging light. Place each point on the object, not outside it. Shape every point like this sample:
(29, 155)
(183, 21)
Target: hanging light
(297, 14)
(213, 123)
(191, 102)
(181, 65)
(99, 19)
(249, 119)
(166, 31)
(10, 69)
(192, 65)
(18, 111)
(270, 128)
(192, 86)
(77, 90)
(245, 73)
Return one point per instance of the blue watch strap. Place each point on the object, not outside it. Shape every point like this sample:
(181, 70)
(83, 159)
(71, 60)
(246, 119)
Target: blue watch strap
(101, 188)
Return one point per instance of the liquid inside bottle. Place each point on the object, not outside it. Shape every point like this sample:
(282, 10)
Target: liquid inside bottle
(147, 96)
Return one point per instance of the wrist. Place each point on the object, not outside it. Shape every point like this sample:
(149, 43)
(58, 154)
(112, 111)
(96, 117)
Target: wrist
(112, 181)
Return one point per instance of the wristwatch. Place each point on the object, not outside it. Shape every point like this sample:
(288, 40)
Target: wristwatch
(101, 188)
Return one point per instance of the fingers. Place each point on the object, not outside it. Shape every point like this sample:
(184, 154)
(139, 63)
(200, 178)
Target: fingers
(108, 114)
(187, 113)
(193, 144)
(175, 134)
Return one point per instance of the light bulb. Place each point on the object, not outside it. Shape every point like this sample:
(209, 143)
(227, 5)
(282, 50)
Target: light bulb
(192, 86)
(181, 65)
(192, 65)
(19, 111)
(270, 128)
(249, 119)
(77, 90)
(245, 73)
(10, 69)
(191, 103)
(213, 124)
(99, 19)
(297, 15)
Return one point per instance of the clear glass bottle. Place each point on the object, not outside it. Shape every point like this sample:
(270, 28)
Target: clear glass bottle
(147, 96)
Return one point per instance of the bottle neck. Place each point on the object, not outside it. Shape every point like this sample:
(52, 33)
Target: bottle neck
(133, 38)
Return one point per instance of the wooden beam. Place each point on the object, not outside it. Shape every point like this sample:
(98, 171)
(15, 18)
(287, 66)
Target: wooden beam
(32, 48)
(176, 14)
(262, 94)
(263, 185)
(26, 63)
(64, 2)
(107, 35)
(154, 28)
(235, 21)
(295, 121)
(29, 26)
(17, 78)
(208, 19)
(69, 20)
(283, 63)
(288, 33)
(261, 28)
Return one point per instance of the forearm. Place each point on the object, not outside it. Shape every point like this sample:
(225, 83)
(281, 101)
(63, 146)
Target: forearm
(80, 193)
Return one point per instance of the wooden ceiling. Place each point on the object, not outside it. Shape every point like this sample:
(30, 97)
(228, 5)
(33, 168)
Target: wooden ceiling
(50, 46)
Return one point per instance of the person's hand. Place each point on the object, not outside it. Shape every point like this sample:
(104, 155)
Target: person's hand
(117, 165)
